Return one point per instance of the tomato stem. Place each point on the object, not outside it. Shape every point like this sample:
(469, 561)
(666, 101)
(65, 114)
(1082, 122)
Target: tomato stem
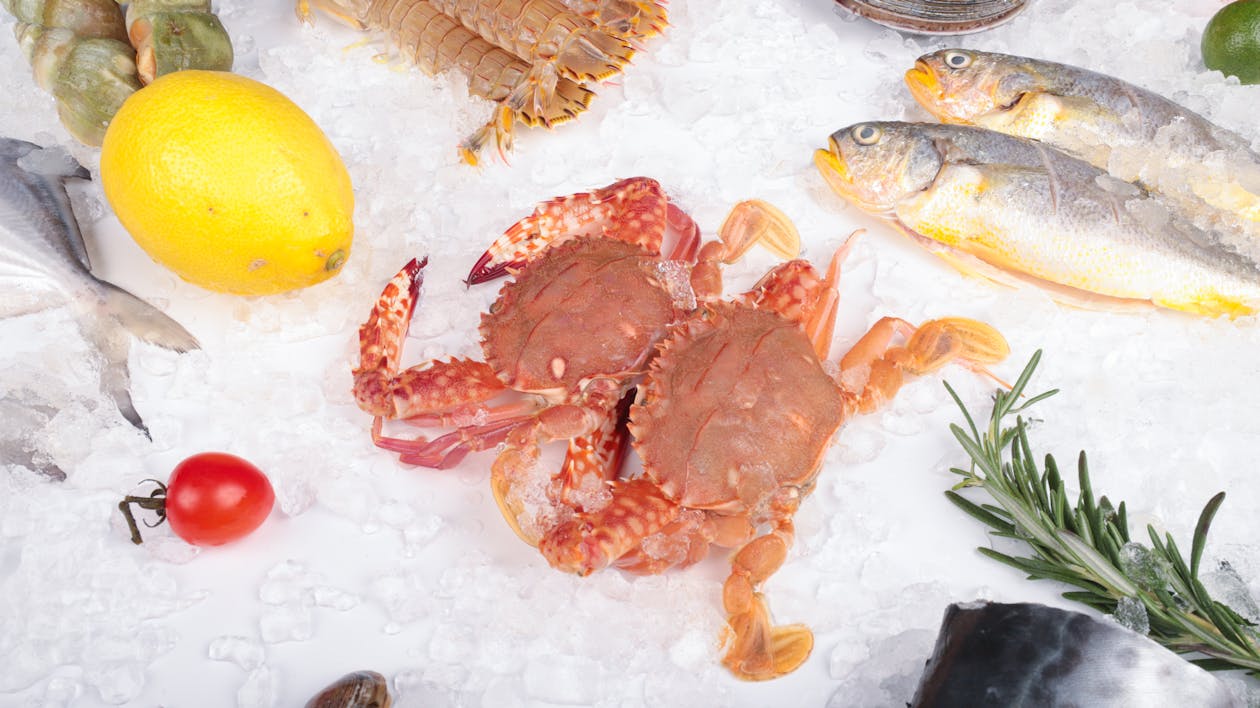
(156, 501)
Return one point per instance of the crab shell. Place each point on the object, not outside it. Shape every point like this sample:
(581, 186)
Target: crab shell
(736, 407)
(588, 307)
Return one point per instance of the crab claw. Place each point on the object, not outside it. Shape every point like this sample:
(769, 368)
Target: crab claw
(381, 339)
(593, 540)
(635, 210)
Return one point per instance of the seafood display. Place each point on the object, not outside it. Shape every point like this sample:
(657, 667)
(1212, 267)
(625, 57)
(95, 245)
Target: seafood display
(548, 336)
(532, 58)
(936, 16)
(997, 654)
(44, 263)
(1210, 173)
(1014, 210)
(603, 450)
(717, 469)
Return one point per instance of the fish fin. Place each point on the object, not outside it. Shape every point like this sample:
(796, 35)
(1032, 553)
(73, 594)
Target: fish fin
(1211, 305)
(114, 345)
(141, 319)
(146, 321)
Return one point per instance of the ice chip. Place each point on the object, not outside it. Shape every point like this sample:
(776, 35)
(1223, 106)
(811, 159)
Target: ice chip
(61, 691)
(117, 683)
(1142, 566)
(241, 651)
(1226, 586)
(888, 676)
(258, 691)
(453, 643)
(676, 276)
(1131, 613)
(503, 692)
(566, 680)
(286, 624)
(858, 444)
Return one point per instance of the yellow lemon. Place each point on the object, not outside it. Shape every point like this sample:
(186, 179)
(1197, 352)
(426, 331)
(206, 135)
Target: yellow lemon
(228, 183)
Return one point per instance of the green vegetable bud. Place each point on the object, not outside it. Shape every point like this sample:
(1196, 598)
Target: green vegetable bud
(90, 78)
(86, 18)
(173, 35)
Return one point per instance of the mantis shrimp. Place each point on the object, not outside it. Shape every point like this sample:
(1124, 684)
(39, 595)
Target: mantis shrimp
(532, 58)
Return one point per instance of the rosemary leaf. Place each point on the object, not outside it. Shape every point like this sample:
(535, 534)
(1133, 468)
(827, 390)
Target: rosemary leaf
(1086, 544)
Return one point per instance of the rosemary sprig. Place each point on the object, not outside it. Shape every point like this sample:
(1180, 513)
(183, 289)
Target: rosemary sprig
(1087, 544)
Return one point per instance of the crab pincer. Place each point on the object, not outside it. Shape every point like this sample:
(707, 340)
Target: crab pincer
(635, 210)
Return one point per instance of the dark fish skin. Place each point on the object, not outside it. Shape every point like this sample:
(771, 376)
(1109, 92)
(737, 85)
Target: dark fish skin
(42, 253)
(1011, 655)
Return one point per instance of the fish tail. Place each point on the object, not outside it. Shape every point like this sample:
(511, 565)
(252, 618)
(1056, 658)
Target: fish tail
(139, 318)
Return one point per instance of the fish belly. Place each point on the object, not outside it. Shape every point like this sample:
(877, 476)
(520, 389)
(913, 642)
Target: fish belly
(1081, 236)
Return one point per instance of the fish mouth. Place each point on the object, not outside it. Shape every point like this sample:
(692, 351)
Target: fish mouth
(926, 87)
(834, 170)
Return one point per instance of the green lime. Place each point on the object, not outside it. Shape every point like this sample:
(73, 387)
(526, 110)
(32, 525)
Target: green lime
(1231, 41)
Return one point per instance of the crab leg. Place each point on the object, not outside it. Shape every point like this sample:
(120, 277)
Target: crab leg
(432, 387)
(436, 392)
(758, 650)
(595, 459)
(445, 451)
(685, 541)
(635, 210)
(795, 291)
(750, 222)
(514, 471)
(936, 343)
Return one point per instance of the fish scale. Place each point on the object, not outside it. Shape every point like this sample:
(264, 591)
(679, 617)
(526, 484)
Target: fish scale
(1208, 173)
(1013, 209)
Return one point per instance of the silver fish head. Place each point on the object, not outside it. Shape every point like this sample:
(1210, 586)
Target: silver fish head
(874, 165)
(960, 85)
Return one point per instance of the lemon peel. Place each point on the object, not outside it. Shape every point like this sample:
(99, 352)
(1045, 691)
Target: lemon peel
(228, 183)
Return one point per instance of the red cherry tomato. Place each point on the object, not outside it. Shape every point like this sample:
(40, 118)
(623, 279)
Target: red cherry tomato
(214, 497)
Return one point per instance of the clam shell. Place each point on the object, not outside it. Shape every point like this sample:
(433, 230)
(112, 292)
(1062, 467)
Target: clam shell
(358, 689)
(936, 16)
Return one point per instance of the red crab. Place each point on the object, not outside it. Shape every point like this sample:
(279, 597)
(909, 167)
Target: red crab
(732, 422)
(591, 297)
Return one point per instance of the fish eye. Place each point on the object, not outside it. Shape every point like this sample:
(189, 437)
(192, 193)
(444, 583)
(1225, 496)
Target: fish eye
(866, 134)
(958, 59)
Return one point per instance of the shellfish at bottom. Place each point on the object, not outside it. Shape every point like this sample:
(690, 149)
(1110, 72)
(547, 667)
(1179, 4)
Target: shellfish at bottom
(936, 16)
(357, 689)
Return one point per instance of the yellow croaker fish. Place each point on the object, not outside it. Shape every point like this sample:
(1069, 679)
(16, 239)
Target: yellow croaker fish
(1134, 134)
(1016, 210)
